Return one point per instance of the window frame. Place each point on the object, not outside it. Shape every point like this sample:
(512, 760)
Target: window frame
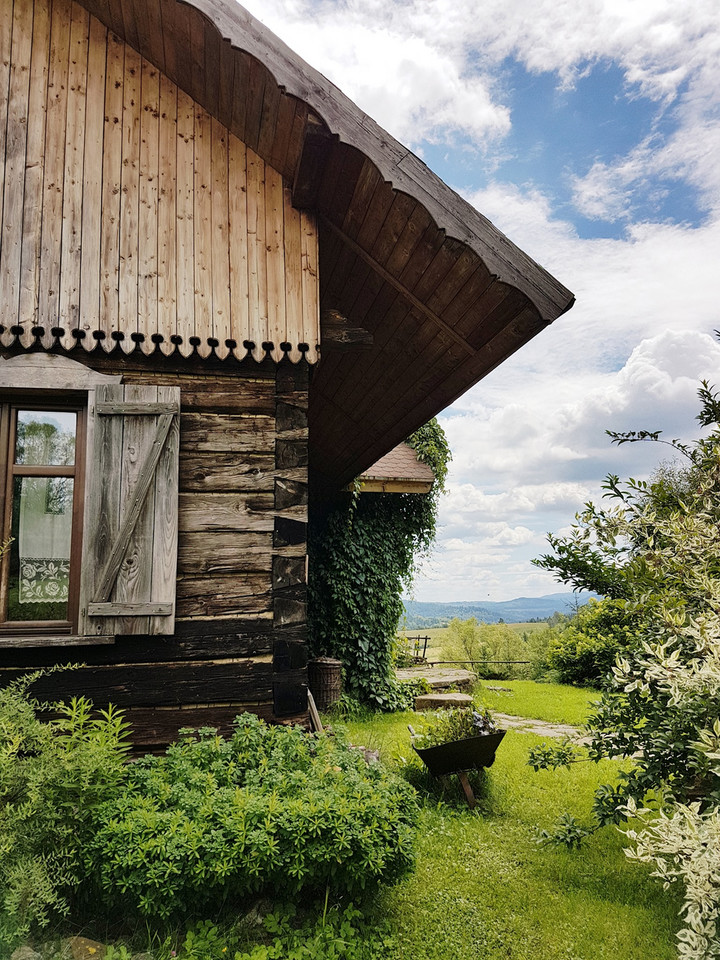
(11, 402)
(43, 379)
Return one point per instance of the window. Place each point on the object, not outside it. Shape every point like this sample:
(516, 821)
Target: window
(89, 499)
(42, 457)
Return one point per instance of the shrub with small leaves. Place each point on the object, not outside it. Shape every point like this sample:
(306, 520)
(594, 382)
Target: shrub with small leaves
(567, 832)
(655, 552)
(338, 934)
(270, 808)
(551, 756)
(683, 845)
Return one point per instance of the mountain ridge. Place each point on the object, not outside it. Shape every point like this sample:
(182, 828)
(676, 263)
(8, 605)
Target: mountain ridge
(425, 614)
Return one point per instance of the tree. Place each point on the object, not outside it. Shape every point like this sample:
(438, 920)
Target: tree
(657, 546)
(584, 650)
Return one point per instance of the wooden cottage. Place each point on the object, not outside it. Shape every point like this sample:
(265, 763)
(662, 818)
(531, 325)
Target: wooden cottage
(189, 216)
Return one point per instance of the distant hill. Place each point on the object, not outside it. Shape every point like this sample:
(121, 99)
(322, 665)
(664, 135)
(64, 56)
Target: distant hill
(423, 615)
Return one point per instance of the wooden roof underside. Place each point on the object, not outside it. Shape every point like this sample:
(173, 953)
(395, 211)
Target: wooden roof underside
(446, 296)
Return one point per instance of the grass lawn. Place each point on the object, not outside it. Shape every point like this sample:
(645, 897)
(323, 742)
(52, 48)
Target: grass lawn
(541, 701)
(483, 888)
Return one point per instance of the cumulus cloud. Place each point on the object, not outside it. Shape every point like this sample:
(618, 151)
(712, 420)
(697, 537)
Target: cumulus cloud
(438, 59)
(529, 441)
(559, 436)
(414, 86)
(657, 277)
(526, 461)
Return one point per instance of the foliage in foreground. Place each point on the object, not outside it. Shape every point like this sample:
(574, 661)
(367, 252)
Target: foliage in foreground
(84, 835)
(657, 549)
(270, 808)
(363, 554)
(335, 935)
(53, 779)
(684, 846)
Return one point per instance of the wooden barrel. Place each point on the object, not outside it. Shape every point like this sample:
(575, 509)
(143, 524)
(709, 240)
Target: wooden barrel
(325, 681)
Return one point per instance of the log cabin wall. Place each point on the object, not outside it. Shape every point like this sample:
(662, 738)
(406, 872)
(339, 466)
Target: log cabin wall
(131, 216)
(240, 634)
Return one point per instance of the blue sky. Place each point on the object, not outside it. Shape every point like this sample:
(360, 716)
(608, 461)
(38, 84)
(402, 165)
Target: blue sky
(589, 133)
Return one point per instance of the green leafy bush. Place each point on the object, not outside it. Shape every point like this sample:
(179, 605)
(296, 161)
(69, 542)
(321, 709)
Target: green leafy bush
(53, 778)
(584, 653)
(684, 846)
(656, 549)
(338, 934)
(270, 808)
(403, 652)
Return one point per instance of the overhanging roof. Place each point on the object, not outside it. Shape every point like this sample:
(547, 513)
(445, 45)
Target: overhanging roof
(399, 471)
(446, 296)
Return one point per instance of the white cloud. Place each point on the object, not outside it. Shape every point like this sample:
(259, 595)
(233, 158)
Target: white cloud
(407, 81)
(421, 65)
(529, 441)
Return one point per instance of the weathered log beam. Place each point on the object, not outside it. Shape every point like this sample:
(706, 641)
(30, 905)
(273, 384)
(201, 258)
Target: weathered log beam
(400, 287)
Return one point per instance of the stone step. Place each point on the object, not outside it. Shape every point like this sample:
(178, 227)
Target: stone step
(443, 701)
(440, 678)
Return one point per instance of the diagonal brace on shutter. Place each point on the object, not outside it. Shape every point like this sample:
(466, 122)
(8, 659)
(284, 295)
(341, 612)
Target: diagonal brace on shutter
(112, 567)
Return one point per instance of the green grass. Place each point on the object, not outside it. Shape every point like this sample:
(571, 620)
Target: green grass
(540, 701)
(484, 889)
(527, 627)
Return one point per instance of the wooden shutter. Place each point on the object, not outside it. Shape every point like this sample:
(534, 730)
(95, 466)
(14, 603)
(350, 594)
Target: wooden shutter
(131, 511)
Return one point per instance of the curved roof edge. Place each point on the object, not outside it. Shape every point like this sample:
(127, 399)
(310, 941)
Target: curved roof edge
(397, 164)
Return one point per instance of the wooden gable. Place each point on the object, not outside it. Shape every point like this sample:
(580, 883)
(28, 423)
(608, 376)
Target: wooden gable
(131, 215)
(442, 296)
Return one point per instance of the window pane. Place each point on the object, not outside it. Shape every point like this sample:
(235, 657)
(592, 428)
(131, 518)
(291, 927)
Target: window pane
(45, 437)
(40, 551)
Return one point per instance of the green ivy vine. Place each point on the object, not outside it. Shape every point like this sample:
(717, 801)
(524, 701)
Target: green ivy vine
(364, 551)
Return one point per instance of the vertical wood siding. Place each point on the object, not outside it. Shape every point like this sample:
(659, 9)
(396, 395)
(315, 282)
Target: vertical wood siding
(128, 213)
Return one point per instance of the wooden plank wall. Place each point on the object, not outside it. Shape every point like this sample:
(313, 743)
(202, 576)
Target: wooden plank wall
(129, 214)
(240, 635)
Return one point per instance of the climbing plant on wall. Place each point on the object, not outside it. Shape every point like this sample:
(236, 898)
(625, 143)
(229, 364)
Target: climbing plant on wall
(363, 552)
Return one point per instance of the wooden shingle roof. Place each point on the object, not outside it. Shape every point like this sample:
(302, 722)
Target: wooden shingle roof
(399, 471)
(445, 295)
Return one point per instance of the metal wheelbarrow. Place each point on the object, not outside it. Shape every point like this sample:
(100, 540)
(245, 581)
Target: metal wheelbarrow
(459, 756)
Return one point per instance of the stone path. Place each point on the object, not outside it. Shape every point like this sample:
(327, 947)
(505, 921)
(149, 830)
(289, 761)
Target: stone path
(543, 728)
(440, 678)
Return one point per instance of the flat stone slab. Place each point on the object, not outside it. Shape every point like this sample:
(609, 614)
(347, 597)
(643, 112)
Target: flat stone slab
(542, 728)
(443, 701)
(440, 678)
